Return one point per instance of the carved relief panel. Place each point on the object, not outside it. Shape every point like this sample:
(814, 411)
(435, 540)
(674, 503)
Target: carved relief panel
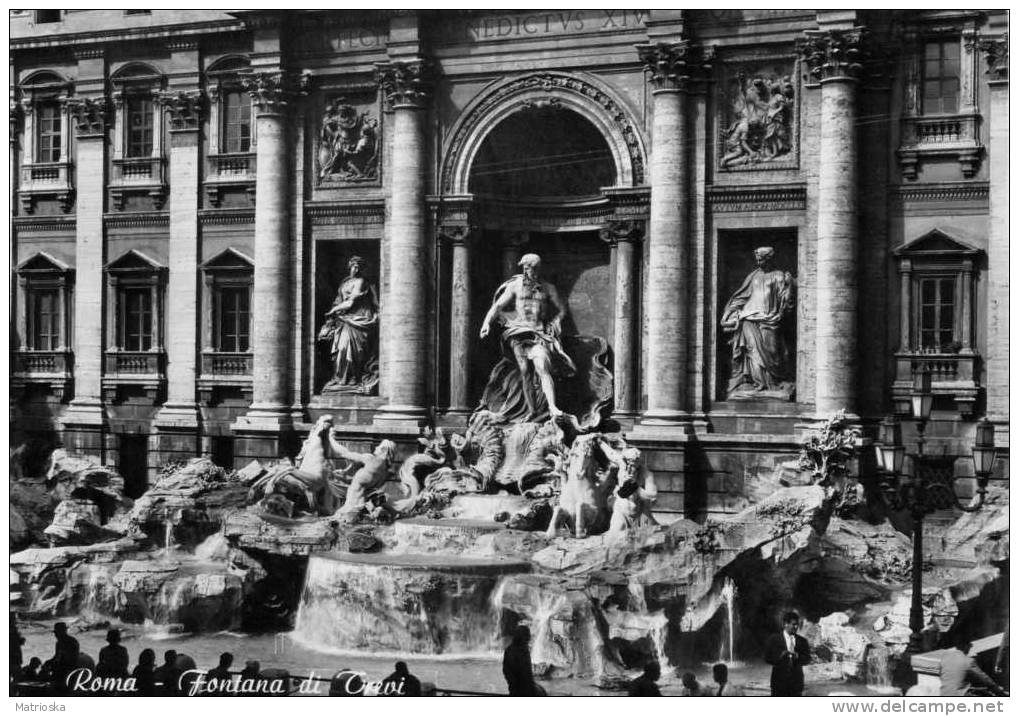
(758, 115)
(348, 144)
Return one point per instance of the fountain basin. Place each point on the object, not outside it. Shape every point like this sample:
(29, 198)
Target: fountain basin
(412, 603)
(421, 534)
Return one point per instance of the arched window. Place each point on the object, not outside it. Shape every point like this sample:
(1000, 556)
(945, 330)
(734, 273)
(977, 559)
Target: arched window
(138, 136)
(46, 147)
(231, 159)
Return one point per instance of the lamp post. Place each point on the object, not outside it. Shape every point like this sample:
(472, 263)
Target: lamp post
(930, 487)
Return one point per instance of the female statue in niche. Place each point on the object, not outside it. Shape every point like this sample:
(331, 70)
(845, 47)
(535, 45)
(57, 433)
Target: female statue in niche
(754, 315)
(351, 324)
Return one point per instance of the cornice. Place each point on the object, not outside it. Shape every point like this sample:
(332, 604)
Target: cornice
(938, 193)
(139, 220)
(324, 211)
(758, 197)
(171, 32)
(44, 223)
(222, 217)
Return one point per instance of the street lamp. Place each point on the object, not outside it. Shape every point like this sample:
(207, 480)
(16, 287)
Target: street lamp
(930, 487)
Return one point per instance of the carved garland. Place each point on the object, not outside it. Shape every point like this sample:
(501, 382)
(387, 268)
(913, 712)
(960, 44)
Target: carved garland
(547, 82)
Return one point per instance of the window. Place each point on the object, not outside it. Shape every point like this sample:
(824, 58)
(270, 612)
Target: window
(233, 315)
(236, 122)
(49, 135)
(137, 319)
(941, 71)
(140, 129)
(44, 319)
(937, 314)
(42, 16)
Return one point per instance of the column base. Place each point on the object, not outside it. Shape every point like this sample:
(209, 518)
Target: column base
(178, 416)
(453, 418)
(86, 411)
(401, 417)
(663, 424)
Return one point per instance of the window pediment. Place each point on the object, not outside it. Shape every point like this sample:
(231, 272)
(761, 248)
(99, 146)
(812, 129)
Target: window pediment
(136, 262)
(229, 260)
(936, 244)
(43, 262)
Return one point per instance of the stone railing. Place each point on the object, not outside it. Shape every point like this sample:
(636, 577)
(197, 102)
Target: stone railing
(227, 364)
(45, 179)
(134, 363)
(145, 370)
(53, 369)
(226, 172)
(43, 362)
(138, 170)
(952, 374)
(944, 135)
(231, 165)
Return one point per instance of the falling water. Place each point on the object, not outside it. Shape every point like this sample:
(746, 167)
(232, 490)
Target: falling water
(876, 663)
(167, 536)
(729, 595)
(213, 549)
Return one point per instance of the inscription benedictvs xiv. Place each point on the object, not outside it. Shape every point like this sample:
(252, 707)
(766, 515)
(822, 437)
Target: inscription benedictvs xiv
(533, 24)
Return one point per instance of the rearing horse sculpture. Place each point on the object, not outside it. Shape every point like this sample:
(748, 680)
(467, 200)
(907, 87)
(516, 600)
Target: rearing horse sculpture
(307, 484)
(583, 502)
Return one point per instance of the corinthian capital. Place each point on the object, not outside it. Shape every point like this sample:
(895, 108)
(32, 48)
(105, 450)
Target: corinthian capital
(995, 51)
(273, 92)
(184, 108)
(677, 65)
(404, 84)
(88, 115)
(833, 54)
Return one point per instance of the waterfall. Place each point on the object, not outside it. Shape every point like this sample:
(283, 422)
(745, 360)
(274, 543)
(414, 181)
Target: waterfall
(213, 549)
(876, 665)
(410, 604)
(167, 536)
(729, 596)
(96, 579)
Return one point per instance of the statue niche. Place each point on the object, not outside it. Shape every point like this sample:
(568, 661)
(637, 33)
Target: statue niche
(756, 317)
(759, 124)
(351, 327)
(542, 373)
(348, 145)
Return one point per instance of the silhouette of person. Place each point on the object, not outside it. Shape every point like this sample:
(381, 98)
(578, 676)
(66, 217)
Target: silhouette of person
(401, 682)
(144, 673)
(645, 684)
(516, 665)
(788, 653)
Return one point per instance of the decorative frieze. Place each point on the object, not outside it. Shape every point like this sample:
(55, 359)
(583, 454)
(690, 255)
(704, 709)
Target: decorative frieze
(336, 212)
(995, 51)
(89, 115)
(273, 92)
(677, 66)
(763, 197)
(834, 54)
(184, 109)
(348, 144)
(405, 84)
(628, 230)
(758, 122)
(137, 220)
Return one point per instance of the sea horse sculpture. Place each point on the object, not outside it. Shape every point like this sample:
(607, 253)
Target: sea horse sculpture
(583, 503)
(307, 485)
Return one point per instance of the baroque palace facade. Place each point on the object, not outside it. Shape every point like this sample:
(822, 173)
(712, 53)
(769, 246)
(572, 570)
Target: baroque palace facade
(189, 188)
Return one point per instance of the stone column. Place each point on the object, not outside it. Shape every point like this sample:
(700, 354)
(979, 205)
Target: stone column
(623, 236)
(460, 338)
(996, 53)
(258, 431)
(512, 244)
(832, 57)
(84, 420)
(180, 412)
(404, 321)
(674, 67)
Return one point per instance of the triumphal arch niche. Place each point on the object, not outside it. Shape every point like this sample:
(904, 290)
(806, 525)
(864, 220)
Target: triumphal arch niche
(554, 165)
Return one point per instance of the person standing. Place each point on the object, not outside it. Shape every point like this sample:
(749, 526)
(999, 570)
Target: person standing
(516, 665)
(65, 658)
(720, 673)
(144, 674)
(788, 653)
(219, 680)
(959, 671)
(645, 684)
(168, 675)
(113, 658)
(401, 682)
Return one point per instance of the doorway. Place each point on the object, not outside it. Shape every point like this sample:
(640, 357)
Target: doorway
(134, 464)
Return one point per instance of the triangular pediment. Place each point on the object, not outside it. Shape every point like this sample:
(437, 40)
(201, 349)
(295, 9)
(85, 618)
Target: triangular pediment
(43, 261)
(937, 242)
(134, 260)
(230, 259)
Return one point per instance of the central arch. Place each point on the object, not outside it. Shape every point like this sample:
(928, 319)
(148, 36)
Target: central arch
(579, 93)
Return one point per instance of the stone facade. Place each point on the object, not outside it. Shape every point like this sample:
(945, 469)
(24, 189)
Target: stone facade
(220, 169)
